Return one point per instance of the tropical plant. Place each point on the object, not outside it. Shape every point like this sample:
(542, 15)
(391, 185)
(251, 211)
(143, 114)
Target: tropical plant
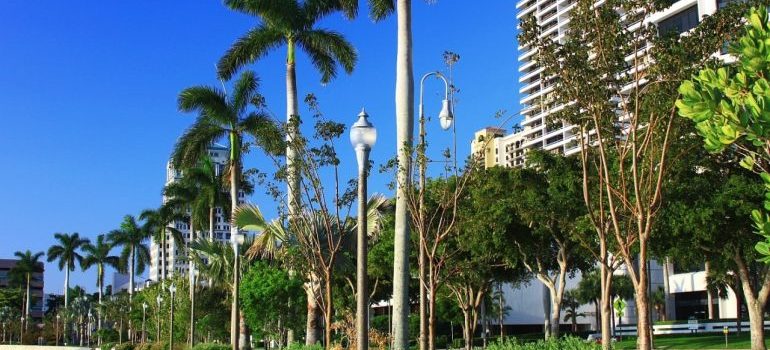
(157, 222)
(28, 264)
(66, 251)
(571, 305)
(134, 255)
(98, 255)
(220, 116)
(729, 107)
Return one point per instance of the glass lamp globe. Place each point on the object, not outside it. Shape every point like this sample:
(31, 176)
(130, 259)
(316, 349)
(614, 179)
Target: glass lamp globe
(445, 117)
(362, 133)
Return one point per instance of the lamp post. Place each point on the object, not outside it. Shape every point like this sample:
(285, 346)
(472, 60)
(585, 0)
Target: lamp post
(446, 119)
(58, 317)
(144, 319)
(172, 290)
(21, 331)
(363, 136)
(236, 239)
(158, 300)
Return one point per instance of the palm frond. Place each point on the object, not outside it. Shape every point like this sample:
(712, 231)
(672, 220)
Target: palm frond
(195, 142)
(208, 100)
(249, 217)
(326, 50)
(267, 134)
(249, 48)
(379, 9)
(243, 90)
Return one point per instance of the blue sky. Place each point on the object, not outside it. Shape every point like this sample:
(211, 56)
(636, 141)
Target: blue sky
(88, 99)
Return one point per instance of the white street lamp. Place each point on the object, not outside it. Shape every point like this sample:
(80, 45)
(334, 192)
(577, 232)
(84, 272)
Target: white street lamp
(158, 300)
(144, 319)
(363, 136)
(172, 290)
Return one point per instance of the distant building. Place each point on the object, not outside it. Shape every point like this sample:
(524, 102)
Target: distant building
(36, 285)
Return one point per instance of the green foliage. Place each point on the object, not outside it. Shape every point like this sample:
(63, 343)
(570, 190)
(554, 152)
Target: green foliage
(566, 343)
(729, 106)
(211, 346)
(272, 300)
(298, 346)
(107, 345)
(124, 346)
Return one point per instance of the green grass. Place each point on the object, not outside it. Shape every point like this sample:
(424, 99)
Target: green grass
(687, 341)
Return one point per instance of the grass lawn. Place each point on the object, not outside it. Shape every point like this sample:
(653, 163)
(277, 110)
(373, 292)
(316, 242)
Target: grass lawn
(687, 341)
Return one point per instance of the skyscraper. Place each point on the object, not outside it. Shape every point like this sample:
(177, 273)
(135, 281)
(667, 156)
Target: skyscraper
(538, 130)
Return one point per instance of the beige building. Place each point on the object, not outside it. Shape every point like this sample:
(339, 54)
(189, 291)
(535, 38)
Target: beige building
(484, 144)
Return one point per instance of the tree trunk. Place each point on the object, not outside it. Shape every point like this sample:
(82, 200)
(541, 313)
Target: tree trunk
(245, 333)
(404, 127)
(27, 302)
(311, 330)
(709, 295)
(467, 331)
(329, 313)
(546, 312)
(235, 170)
(501, 310)
(100, 282)
(643, 340)
(669, 308)
(131, 293)
(211, 234)
(605, 302)
(432, 318)
(757, 322)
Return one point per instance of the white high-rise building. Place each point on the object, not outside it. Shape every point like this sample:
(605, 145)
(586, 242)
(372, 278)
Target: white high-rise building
(537, 129)
(176, 254)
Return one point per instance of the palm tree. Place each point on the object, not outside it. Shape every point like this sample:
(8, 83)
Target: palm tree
(211, 185)
(157, 222)
(27, 265)
(67, 254)
(98, 254)
(221, 116)
(292, 23)
(135, 255)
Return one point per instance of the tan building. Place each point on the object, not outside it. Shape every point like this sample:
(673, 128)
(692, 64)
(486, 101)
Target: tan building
(485, 145)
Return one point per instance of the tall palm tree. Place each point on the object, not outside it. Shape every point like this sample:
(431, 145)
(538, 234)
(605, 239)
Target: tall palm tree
(211, 185)
(135, 255)
(222, 116)
(157, 222)
(27, 265)
(292, 23)
(98, 254)
(66, 251)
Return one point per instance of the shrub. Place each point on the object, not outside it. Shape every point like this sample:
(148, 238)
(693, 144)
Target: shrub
(211, 346)
(299, 346)
(567, 343)
(124, 346)
(107, 345)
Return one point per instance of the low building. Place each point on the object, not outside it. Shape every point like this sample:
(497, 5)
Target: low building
(36, 285)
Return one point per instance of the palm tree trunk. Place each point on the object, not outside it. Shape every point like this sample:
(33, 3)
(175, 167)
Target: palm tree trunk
(404, 129)
(211, 234)
(66, 298)
(100, 284)
(235, 148)
(27, 303)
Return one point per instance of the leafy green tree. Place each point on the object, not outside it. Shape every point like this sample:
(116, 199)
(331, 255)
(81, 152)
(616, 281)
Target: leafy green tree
(629, 156)
(66, 252)
(98, 255)
(547, 199)
(273, 301)
(28, 264)
(729, 108)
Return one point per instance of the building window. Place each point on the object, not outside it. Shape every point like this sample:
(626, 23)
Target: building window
(680, 22)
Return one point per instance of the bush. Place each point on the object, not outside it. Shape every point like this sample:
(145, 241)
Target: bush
(107, 346)
(124, 346)
(299, 346)
(567, 343)
(211, 346)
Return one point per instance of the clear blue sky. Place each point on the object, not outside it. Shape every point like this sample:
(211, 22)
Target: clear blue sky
(88, 99)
